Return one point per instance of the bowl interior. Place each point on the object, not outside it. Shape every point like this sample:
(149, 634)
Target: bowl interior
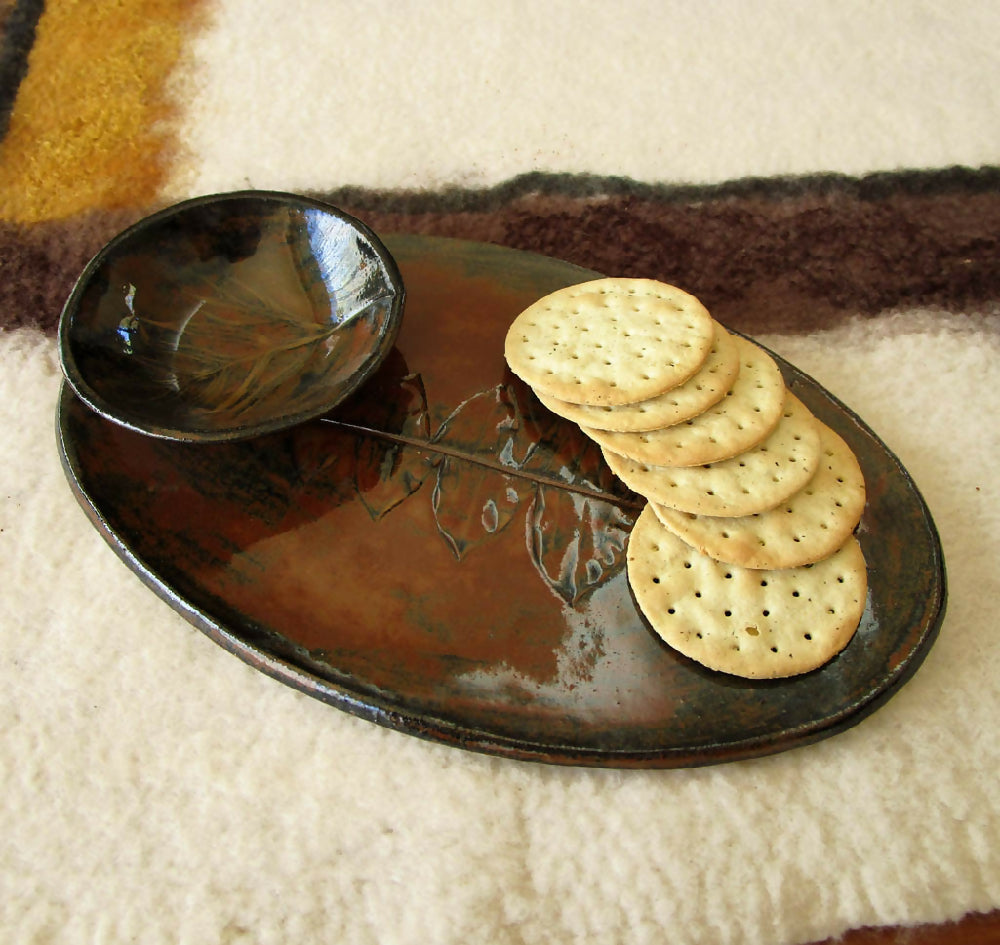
(230, 316)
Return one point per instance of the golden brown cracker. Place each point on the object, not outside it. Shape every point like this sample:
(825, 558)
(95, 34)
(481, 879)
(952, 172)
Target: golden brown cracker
(705, 387)
(749, 623)
(743, 418)
(610, 341)
(808, 526)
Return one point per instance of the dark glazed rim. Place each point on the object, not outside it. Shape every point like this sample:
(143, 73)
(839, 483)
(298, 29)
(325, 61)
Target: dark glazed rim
(104, 408)
(346, 694)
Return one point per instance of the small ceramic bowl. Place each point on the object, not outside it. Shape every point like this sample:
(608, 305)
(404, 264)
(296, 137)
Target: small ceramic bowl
(229, 316)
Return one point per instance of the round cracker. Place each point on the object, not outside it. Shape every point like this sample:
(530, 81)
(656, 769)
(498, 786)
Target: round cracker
(807, 527)
(753, 624)
(707, 386)
(752, 481)
(743, 418)
(610, 341)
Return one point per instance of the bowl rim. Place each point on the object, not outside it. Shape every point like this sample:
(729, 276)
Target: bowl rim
(78, 383)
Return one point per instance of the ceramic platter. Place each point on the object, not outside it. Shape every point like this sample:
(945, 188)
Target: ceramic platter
(443, 556)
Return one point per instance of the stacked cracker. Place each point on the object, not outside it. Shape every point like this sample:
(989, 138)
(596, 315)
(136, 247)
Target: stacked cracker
(744, 557)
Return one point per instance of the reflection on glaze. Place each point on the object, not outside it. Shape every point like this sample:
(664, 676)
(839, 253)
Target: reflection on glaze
(257, 325)
(230, 316)
(600, 667)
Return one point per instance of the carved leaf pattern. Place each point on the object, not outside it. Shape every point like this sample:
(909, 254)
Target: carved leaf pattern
(576, 541)
(388, 472)
(472, 502)
(229, 347)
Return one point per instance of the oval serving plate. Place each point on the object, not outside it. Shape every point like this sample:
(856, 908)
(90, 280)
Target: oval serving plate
(443, 556)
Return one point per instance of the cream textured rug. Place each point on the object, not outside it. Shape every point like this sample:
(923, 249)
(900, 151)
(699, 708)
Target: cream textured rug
(157, 790)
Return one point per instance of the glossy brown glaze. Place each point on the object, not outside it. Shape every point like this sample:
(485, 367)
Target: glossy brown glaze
(444, 556)
(229, 316)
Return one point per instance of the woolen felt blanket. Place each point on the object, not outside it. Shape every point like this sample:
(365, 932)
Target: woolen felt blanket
(823, 176)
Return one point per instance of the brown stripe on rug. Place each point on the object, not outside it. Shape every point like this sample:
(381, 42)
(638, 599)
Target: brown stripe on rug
(778, 255)
(775, 255)
(18, 21)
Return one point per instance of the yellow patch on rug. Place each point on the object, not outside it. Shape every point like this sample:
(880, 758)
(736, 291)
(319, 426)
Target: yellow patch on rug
(89, 125)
